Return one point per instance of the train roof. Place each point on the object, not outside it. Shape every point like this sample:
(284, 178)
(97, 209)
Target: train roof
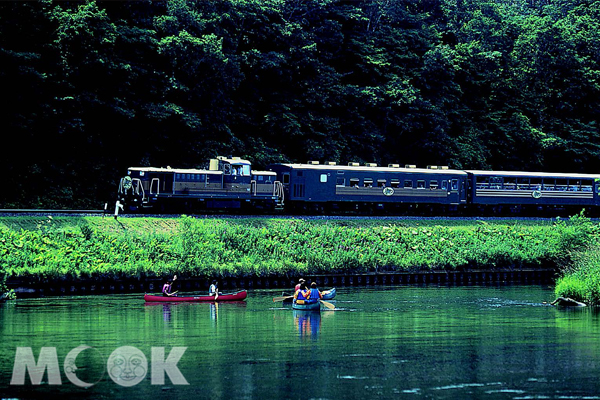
(364, 168)
(175, 170)
(234, 160)
(534, 174)
(264, 173)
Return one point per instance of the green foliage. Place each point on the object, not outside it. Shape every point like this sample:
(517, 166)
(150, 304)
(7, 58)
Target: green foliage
(578, 245)
(5, 292)
(577, 234)
(98, 86)
(581, 280)
(236, 248)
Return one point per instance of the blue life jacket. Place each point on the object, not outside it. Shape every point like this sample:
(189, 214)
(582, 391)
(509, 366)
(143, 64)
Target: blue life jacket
(300, 296)
(314, 296)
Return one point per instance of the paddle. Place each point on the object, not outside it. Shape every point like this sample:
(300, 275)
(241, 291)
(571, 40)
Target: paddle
(328, 304)
(283, 298)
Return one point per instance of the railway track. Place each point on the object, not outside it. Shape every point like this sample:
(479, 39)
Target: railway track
(31, 211)
(83, 213)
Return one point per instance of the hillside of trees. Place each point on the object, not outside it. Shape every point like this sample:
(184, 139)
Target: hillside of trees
(90, 88)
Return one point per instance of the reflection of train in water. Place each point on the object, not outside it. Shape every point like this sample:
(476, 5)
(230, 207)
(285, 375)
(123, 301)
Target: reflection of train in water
(230, 183)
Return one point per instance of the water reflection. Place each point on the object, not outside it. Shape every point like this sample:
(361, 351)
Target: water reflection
(167, 312)
(169, 309)
(395, 342)
(308, 323)
(214, 312)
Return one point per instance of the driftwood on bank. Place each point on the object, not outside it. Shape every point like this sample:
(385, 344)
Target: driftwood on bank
(567, 302)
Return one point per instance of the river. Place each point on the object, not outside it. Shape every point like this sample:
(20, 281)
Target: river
(448, 342)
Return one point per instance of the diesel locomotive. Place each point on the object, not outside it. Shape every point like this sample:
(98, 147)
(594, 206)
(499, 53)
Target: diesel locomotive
(230, 183)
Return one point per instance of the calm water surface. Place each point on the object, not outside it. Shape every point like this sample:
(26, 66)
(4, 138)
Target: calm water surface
(386, 342)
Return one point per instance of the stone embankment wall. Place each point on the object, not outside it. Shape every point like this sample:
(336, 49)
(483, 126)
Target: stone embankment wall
(470, 277)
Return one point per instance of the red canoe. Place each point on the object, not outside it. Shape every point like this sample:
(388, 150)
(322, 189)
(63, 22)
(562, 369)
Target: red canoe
(170, 299)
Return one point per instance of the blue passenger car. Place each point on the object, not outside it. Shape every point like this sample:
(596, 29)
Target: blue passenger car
(353, 187)
(513, 191)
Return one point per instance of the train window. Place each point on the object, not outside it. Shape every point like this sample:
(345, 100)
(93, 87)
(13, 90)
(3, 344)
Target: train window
(340, 181)
(523, 184)
(482, 182)
(433, 185)
(354, 182)
(260, 178)
(535, 184)
(444, 185)
(286, 178)
(245, 169)
(420, 184)
(455, 184)
(561, 185)
(381, 182)
(510, 183)
(496, 182)
(408, 184)
(574, 185)
(548, 184)
(586, 186)
(177, 176)
(395, 183)
(323, 178)
(368, 182)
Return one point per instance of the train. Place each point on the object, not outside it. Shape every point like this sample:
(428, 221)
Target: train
(230, 184)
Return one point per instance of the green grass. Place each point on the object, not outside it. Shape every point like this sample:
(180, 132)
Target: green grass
(581, 280)
(46, 249)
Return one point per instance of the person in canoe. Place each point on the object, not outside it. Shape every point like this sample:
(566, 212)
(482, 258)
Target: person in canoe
(300, 281)
(301, 294)
(167, 289)
(213, 290)
(313, 294)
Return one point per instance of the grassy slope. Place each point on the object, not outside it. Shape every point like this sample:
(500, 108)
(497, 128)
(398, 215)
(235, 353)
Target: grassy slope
(72, 248)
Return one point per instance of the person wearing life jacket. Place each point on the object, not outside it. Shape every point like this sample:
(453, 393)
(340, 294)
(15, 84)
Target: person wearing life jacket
(168, 287)
(314, 295)
(301, 294)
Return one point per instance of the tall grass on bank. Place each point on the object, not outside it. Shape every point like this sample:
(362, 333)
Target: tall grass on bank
(580, 275)
(581, 280)
(106, 249)
(5, 292)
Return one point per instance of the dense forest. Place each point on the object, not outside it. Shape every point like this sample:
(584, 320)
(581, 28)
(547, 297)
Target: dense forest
(93, 87)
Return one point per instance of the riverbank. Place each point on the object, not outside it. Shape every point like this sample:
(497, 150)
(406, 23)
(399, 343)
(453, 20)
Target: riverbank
(581, 279)
(46, 251)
